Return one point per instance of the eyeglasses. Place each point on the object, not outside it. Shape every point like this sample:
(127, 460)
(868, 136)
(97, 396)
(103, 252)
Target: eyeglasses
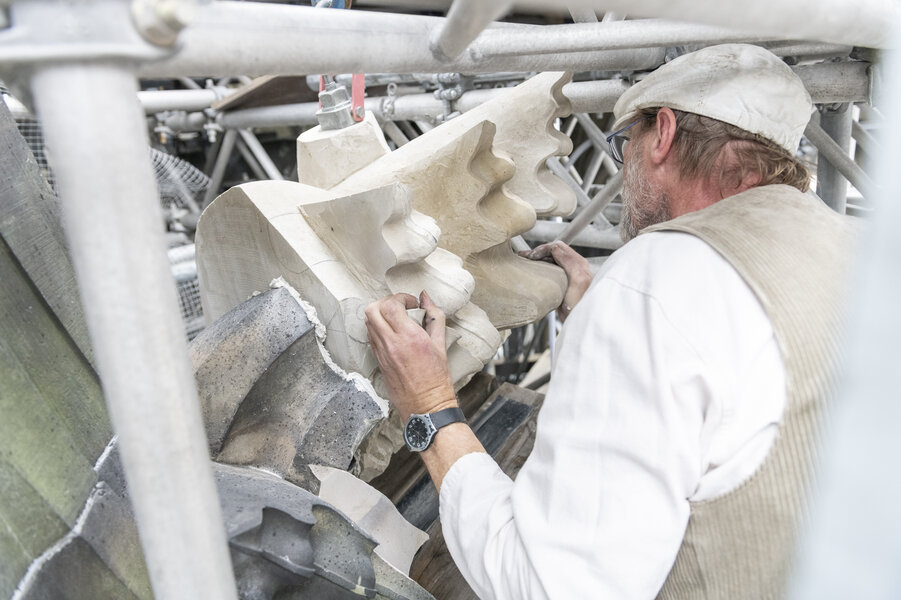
(618, 141)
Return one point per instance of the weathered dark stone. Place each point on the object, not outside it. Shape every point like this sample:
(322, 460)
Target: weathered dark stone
(231, 354)
(288, 542)
(100, 559)
(53, 424)
(30, 225)
(300, 412)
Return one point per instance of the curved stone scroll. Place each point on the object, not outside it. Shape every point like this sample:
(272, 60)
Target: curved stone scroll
(524, 117)
(457, 178)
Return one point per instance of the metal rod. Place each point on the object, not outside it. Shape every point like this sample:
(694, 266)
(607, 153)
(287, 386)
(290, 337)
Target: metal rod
(250, 160)
(271, 39)
(617, 35)
(563, 173)
(592, 210)
(827, 83)
(867, 23)
(393, 131)
(833, 82)
(598, 159)
(832, 187)
(583, 15)
(131, 307)
(254, 145)
(592, 130)
(465, 20)
(549, 231)
(519, 244)
(865, 138)
(836, 155)
(225, 152)
(155, 101)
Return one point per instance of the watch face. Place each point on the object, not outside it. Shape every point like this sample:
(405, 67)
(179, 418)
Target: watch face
(418, 433)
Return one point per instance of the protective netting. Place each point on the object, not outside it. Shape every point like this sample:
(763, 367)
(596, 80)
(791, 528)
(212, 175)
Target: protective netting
(181, 184)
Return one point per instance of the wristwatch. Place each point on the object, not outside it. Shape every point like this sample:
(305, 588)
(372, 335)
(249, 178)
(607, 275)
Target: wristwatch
(421, 429)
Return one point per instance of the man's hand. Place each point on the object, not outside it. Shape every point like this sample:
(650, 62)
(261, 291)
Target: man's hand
(578, 273)
(413, 357)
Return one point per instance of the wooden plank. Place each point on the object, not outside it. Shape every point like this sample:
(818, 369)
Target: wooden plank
(269, 90)
(30, 224)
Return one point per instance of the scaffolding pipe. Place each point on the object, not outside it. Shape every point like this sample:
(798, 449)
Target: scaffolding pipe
(826, 82)
(593, 209)
(225, 152)
(865, 138)
(549, 231)
(835, 154)
(250, 160)
(131, 308)
(256, 148)
(867, 23)
(465, 20)
(832, 187)
(616, 35)
(276, 39)
(155, 101)
(557, 168)
(583, 15)
(836, 82)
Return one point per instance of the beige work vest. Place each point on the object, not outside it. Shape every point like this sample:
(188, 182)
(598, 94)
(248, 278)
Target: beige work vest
(793, 252)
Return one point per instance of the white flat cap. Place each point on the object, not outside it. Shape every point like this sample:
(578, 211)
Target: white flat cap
(739, 84)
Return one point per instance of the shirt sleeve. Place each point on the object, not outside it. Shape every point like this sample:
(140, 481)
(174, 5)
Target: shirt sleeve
(601, 505)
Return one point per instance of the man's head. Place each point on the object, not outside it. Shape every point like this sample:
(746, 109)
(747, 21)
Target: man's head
(708, 125)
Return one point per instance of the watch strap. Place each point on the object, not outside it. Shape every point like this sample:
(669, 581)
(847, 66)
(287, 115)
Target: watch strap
(447, 416)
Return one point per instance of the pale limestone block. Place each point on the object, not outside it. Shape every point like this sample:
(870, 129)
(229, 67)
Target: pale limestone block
(458, 179)
(524, 117)
(253, 234)
(324, 158)
(341, 252)
(373, 513)
(386, 245)
(372, 244)
(380, 238)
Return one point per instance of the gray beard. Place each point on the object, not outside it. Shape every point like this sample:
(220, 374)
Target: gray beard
(643, 203)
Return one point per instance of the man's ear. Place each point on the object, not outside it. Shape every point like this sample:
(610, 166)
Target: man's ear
(664, 133)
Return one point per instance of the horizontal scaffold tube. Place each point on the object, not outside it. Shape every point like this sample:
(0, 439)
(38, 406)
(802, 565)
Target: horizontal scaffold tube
(827, 83)
(255, 39)
(868, 23)
(548, 231)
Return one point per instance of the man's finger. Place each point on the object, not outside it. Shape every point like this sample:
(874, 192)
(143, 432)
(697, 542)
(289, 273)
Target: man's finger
(542, 252)
(393, 310)
(568, 258)
(434, 320)
(376, 325)
(408, 300)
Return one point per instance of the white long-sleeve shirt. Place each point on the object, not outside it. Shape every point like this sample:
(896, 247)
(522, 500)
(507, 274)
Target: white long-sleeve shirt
(667, 388)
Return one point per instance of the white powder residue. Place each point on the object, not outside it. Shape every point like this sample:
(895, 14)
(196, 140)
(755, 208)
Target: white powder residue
(360, 383)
